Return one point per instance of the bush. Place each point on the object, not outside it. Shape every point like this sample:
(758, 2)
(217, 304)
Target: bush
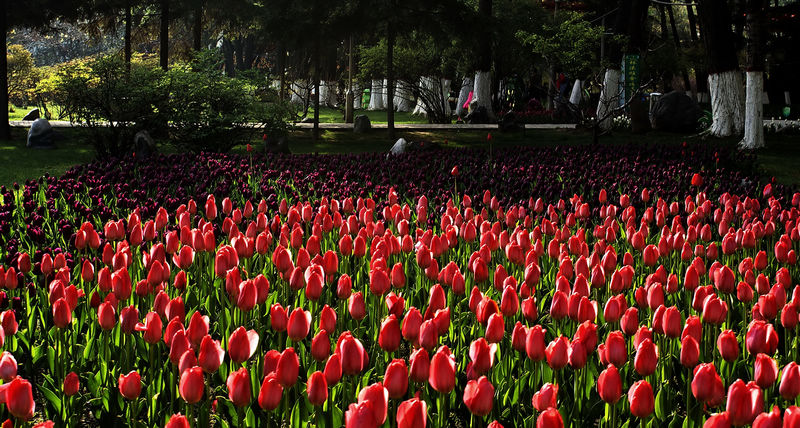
(113, 104)
(193, 105)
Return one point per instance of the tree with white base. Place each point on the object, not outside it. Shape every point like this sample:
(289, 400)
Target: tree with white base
(754, 106)
(724, 78)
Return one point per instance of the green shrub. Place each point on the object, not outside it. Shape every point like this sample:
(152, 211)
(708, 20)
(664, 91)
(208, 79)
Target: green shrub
(113, 104)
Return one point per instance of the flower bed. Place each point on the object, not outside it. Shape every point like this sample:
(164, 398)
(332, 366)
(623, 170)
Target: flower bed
(568, 285)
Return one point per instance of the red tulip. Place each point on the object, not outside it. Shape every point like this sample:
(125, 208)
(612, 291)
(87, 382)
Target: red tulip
(360, 415)
(769, 420)
(442, 376)
(745, 402)
(211, 354)
(333, 370)
(351, 351)
(534, 343)
(766, 371)
(646, 358)
(728, 345)
(550, 418)
(239, 387)
(546, 397)
(130, 385)
(718, 420)
(707, 386)
(18, 396)
(640, 398)
(278, 318)
(321, 346)
(690, 352)
(791, 418)
(616, 351)
(390, 334)
(72, 384)
(412, 413)
(495, 328)
(327, 320)
(269, 397)
(62, 315)
(288, 367)
(299, 324)
(420, 364)
(609, 385)
(761, 338)
(198, 328)
(242, 344)
(556, 353)
(378, 397)
(790, 381)
(479, 396)
(9, 322)
(356, 306)
(317, 389)
(151, 327)
(396, 378)
(192, 385)
(482, 355)
(8, 366)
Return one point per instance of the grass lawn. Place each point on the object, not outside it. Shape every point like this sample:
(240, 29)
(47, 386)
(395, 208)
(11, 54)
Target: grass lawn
(332, 115)
(780, 159)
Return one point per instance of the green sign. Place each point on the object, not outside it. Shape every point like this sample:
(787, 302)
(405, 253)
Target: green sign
(632, 69)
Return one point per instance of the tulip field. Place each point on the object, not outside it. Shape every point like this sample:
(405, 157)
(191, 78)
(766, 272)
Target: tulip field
(610, 286)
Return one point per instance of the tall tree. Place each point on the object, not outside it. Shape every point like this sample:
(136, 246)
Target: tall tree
(754, 107)
(483, 75)
(164, 35)
(611, 90)
(724, 79)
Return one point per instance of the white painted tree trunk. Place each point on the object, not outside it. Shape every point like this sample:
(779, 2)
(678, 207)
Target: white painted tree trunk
(787, 98)
(376, 96)
(609, 97)
(754, 112)
(482, 94)
(577, 92)
(726, 103)
(386, 103)
(358, 92)
(445, 95)
(403, 98)
(463, 95)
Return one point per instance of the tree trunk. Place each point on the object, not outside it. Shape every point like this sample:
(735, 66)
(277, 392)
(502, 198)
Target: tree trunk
(700, 74)
(637, 44)
(662, 14)
(754, 106)
(376, 95)
(198, 27)
(390, 79)
(482, 95)
(5, 126)
(463, 96)
(281, 70)
(610, 93)
(724, 80)
(164, 35)
(228, 54)
(317, 65)
(127, 41)
(687, 86)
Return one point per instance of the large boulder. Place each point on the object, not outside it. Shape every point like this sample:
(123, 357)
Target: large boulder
(675, 112)
(143, 145)
(361, 124)
(41, 134)
(402, 146)
(32, 115)
(277, 145)
(478, 115)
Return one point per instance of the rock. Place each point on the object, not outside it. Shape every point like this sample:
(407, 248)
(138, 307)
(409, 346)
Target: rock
(401, 146)
(143, 145)
(479, 115)
(362, 124)
(277, 145)
(309, 119)
(32, 115)
(41, 134)
(675, 112)
(508, 122)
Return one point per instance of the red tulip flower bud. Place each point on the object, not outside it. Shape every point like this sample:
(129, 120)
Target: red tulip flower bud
(442, 376)
(192, 385)
(609, 385)
(641, 400)
(556, 353)
(420, 364)
(19, 398)
(546, 397)
(728, 345)
(390, 334)
(130, 385)
(766, 371)
(690, 352)
(479, 396)
(412, 413)
(242, 344)
(238, 384)
(646, 358)
(790, 381)
(396, 378)
(317, 389)
(72, 384)
(745, 402)
(550, 418)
